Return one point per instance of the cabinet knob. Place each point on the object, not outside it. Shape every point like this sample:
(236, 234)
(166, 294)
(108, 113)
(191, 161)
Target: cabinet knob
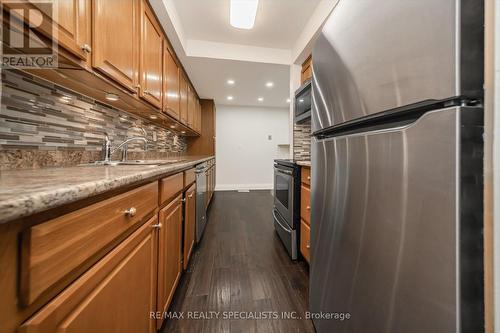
(308, 207)
(308, 177)
(191, 195)
(86, 48)
(157, 226)
(308, 246)
(131, 211)
(183, 199)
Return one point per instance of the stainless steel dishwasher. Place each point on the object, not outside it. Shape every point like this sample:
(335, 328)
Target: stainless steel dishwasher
(201, 208)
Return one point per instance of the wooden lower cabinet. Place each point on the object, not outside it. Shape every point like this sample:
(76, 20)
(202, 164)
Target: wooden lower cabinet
(305, 240)
(189, 223)
(169, 254)
(116, 295)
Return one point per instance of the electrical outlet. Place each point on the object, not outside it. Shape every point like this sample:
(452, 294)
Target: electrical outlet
(155, 138)
(269, 137)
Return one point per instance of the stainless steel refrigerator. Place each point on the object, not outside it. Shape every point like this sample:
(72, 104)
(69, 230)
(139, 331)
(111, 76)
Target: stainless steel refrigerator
(397, 150)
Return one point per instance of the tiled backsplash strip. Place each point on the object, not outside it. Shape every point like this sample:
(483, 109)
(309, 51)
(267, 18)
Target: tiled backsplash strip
(302, 141)
(43, 124)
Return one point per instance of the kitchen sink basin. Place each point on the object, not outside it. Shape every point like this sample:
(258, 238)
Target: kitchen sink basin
(133, 162)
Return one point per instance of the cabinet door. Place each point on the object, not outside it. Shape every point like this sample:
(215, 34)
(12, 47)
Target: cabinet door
(184, 98)
(189, 223)
(171, 100)
(115, 295)
(70, 24)
(305, 240)
(169, 254)
(198, 116)
(190, 118)
(115, 40)
(151, 70)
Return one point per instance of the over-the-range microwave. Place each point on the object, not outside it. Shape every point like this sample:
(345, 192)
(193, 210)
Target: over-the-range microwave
(302, 103)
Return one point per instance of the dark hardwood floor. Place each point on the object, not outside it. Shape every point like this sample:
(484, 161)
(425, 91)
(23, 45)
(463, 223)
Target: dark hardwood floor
(241, 267)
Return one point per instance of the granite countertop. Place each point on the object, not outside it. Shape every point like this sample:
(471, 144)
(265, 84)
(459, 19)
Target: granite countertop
(26, 192)
(304, 163)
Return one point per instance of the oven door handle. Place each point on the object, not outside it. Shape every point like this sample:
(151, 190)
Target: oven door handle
(281, 225)
(284, 171)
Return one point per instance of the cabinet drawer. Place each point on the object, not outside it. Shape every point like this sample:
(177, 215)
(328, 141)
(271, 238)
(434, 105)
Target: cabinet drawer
(305, 203)
(189, 177)
(305, 234)
(115, 295)
(305, 175)
(170, 186)
(51, 251)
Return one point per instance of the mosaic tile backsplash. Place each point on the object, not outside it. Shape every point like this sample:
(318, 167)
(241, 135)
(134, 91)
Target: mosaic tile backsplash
(43, 124)
(302, 141)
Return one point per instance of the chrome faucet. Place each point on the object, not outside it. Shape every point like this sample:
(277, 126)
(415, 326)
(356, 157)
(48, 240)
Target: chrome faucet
(108, 151)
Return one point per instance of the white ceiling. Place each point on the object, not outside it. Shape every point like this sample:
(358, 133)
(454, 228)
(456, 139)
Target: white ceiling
(211, 75)
(212, 51)
(278, 23)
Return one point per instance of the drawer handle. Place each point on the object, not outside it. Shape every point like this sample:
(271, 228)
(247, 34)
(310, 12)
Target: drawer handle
(131, 211)
(157, 226)
(308, 207)
(86, 48)
(308, 246)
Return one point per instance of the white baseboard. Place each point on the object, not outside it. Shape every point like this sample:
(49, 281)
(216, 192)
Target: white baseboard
(235, 187)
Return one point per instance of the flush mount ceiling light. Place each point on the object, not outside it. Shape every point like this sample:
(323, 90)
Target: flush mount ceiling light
(269, 84)
(229, 98)
(260, 99)
(112, 97)
(230, 82)
(242, 13)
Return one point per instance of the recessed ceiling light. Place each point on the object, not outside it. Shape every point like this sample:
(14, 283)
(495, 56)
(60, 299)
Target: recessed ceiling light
(260, 99)
(229, 98)
(153, 116)
(173, 126)
(230, 82)
(242, 13)
(112, 97)
(269, 84)
(183, 132)
(288, 100)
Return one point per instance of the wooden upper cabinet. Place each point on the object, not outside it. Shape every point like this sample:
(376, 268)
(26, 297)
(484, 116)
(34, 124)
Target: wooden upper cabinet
(115, 40)
(191, 101)
(197, 116)
(169, 253)
(183, 108)
(73, 26)
(306, 72)
(171, 99)
(115, 295)
(151, 70)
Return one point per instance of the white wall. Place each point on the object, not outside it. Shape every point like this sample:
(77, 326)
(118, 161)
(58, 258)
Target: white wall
(244, 153)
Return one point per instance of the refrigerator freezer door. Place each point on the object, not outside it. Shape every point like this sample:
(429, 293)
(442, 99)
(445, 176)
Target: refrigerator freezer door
(385, 225)
(374, 56)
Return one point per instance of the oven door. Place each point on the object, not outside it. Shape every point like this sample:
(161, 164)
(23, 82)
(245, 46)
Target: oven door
(283, 192)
